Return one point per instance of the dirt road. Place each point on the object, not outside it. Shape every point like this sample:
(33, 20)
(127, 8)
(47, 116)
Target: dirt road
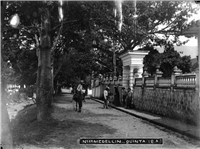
(95, 122)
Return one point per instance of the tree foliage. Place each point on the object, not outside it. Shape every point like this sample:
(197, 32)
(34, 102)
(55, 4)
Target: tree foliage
(166, 61)
(195, 67)
(89, 33)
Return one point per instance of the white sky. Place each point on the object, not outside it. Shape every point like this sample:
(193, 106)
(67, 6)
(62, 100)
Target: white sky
(193, 40)
(190, 48)
(184, 50)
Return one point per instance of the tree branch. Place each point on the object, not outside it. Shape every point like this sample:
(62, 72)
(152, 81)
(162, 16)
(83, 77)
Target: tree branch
(103, 64)
(56, 39)
(37, 44)
(60, 65)
(163, 30)
(171, 32)
(102, 49)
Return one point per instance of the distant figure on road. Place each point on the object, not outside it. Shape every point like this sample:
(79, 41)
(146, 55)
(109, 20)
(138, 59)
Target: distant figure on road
(80, 94)
(105, 97)
(129, 98)
(124, 94)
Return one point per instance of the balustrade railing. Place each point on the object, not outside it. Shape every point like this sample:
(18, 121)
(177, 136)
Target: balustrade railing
(138, 82)
(149, 82)
(176, 80)
(163, 82)
(185, 81)
(117, 80)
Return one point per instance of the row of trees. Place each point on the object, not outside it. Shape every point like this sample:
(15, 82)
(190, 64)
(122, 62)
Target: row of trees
(81, 42)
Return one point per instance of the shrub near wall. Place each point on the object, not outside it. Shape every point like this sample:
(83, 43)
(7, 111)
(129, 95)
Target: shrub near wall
(182, 104)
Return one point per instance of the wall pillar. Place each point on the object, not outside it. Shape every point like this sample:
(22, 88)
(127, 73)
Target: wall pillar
(140, 71)
(131, 77)
(131, 60)
(125, 76)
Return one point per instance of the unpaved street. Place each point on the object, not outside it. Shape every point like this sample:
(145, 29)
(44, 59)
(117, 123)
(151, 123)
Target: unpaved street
(93, 122)
(123, 125)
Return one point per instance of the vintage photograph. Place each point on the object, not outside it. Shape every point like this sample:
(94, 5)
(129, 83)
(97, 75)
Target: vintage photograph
(113, 74)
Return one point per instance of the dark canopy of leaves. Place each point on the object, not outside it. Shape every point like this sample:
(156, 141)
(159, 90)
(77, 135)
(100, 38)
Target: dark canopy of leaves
(89, 33)
(166, 61)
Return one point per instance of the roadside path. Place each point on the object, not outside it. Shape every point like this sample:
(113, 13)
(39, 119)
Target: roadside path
(93, 122)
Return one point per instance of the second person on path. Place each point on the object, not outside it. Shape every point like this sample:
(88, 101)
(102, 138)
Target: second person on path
(129, 98)
(80, 93)
(105, 98)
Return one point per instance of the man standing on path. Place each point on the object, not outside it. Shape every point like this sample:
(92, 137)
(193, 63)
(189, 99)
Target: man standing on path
(124, 94)
(129, 98)
(105, 98)
(80, 93)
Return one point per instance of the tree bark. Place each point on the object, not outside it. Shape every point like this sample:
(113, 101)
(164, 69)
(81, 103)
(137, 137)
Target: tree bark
(44, 77)
(6, 139)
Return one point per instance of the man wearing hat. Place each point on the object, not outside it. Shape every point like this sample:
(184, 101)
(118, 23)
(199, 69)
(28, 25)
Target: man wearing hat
(105, 97)
(80, 93)
(124, 94)
(129, 98)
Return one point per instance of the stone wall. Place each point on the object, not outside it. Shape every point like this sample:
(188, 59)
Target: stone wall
(182, 104)
(174, 97)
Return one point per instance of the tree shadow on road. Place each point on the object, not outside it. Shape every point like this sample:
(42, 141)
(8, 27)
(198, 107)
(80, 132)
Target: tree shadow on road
(64, 99)
(63, 131)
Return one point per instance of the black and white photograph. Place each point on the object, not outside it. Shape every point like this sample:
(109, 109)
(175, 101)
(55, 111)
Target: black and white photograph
(102, 74)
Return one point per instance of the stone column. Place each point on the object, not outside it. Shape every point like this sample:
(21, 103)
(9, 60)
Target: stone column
(131, 78)
(125, 77)
(120, 80)
(140, 71)
(158, 74)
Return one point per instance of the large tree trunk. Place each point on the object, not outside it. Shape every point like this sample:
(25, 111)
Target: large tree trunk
(6, 135)
(44, 77)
